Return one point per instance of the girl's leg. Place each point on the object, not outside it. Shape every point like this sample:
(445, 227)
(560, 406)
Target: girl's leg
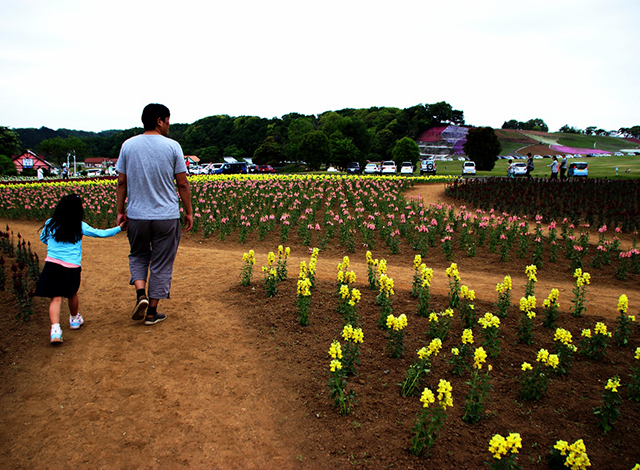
(74, 303)
(54, 310)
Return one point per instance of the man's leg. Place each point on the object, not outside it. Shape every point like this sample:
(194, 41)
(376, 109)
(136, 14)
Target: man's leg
(139, 234)
(164, 246)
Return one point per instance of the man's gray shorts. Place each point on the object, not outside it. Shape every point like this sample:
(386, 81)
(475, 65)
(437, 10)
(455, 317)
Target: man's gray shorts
(154, 244)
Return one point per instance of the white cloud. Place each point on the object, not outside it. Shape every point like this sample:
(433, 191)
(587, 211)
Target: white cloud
(93, 66)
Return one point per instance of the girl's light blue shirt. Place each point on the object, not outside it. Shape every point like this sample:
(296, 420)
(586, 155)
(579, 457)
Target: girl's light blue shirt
(72, 252)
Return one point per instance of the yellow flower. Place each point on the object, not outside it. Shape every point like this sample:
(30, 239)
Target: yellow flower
(271, 258)
(369, 257)
(467, 293)
(417, 260)
(452, 272)
(498, 446)
(433, 317)
(601, 329)
(507, 282)
(562, 446)
(287, 252)
(637, 356)
(434, 346)
(489, 321)
(304, 287)
(448, 312)
(467, 336)
(612, 384)
(514, 442)
(586, 333)
(623, 304)
(344, 291)
(280, 251)
(479, 357)
(347, 332)
(355, 295)
(335, 351)
(303, 270)
(427, 397)
(350, 277)
(527, 304)
(553, 361)
(563, 336)
(358, 335)
(423, 353)
(455, 351)
(444, 393)
(426, 274)
(335, 365)
(531, 272)
(526, 366)
(543, 356)
(398, 323)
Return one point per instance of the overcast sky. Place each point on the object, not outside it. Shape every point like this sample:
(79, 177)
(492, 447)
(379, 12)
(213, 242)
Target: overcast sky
(94, 65)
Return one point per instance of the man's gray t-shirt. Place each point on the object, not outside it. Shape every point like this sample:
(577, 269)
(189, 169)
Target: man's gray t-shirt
(150, 163)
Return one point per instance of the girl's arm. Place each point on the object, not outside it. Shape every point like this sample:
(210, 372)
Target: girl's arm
(89, 231)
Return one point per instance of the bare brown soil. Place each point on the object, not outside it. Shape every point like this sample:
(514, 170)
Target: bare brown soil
(231, 381)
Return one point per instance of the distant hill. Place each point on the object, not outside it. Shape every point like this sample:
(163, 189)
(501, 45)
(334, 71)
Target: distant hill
(516, 142)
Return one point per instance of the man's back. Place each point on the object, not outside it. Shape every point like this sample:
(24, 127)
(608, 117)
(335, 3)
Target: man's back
(150, 163)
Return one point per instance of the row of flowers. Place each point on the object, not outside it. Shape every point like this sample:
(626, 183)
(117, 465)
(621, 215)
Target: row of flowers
(464, 359)
(350, 212)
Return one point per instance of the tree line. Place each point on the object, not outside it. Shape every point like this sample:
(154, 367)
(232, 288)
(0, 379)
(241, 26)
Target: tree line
(333, 137)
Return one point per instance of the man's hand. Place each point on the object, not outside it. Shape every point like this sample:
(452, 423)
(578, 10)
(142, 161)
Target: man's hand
(188, 222)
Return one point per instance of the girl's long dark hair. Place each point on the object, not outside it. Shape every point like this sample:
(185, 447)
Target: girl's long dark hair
(65, 225)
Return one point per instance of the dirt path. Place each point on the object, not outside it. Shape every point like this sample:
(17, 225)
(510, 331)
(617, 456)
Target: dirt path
(194, 391)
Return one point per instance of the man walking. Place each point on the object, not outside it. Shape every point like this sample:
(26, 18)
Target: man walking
(147, 167)
(563, 168)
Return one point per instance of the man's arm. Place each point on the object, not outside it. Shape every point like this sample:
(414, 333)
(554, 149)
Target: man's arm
(185, 196)
(121, 195)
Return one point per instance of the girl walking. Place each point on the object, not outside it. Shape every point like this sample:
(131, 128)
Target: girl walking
(60, 277)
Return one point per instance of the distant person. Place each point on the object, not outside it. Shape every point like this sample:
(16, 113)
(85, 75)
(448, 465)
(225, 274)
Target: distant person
(65, 172)
(60, 277)
(147, 167)
(510, 169)
(563, 168)
(40, 174)
(554, 168)
(530, 166)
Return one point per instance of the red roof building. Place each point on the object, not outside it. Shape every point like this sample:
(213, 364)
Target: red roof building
(30, 160)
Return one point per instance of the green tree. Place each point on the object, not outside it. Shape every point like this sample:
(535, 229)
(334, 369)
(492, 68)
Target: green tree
(9, 142)
(483, 147)
(56, 150)
(567, 129)
(269, 152)
(536, 124)
(296, 131)
(344, 151)
(406, 150)
(7, 167)
(315, 149)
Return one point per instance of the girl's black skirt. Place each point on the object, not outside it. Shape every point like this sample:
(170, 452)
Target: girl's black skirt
(58, 281)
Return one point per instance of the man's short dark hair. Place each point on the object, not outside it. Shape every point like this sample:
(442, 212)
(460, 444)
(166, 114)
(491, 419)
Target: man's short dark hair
(151, 113)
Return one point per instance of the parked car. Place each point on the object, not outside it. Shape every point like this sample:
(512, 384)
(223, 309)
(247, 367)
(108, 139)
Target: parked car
(406, 169)
(428, 166)
(372, 168)
(519, 169)
(579, 169)
(234, 168)
(353, 168)
(266, 169)
(389, 168)
(469, 168)
(332, 169)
